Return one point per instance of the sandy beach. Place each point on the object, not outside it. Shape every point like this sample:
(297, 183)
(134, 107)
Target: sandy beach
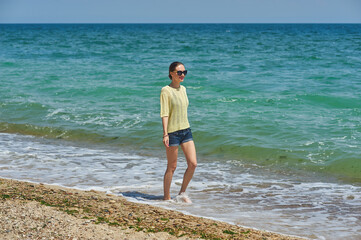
(39, 211)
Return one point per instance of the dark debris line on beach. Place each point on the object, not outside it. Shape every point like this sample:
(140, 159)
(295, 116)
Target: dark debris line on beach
(101, 208)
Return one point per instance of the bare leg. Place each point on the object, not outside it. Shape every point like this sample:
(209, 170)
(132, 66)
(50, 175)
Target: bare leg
(189, 151)
(172, 154)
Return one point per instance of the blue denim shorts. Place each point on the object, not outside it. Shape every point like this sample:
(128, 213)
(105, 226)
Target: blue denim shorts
(178, 137)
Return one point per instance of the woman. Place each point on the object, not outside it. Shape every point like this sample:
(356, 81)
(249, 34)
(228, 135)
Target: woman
(176, 131)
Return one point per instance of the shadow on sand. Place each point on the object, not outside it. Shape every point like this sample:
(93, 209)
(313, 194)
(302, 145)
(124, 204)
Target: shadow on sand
(141, 196)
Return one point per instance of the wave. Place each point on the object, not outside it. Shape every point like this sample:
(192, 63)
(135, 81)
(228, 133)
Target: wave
(332, 101)
(208, 148)
(286, 161)
(54, 133)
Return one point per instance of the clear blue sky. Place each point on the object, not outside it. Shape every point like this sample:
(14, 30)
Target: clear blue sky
(182, 11)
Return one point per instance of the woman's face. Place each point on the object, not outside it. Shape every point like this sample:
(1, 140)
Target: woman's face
(175, 76)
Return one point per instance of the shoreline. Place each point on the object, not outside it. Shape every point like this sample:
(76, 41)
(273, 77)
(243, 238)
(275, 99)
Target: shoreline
(92, 214)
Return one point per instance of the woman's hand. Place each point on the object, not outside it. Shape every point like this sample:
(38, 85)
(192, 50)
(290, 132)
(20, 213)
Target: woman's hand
(166, 141)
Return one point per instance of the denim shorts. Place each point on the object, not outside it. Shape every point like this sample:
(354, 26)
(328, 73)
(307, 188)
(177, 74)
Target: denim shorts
(178, 137)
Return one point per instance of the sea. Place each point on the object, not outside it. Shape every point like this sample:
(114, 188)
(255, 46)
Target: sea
(275, 111)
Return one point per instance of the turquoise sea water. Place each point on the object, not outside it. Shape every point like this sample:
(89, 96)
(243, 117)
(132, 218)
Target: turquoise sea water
(281, 99)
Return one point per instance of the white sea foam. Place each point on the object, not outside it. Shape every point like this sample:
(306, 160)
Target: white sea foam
(54, 112)
(228, 191)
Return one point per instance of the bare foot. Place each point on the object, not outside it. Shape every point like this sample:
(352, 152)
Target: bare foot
(183, 197)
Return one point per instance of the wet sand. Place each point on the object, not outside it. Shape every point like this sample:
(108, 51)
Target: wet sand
(39, 211)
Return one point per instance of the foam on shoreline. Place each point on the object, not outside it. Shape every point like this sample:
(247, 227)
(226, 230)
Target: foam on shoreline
(101, 208)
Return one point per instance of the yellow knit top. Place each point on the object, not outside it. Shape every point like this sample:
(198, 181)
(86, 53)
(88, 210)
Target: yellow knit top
(174, 104)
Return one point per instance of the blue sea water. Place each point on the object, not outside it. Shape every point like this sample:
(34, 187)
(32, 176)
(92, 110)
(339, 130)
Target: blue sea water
(275, 112)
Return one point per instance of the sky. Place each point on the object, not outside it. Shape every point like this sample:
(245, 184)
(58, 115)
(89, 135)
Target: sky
(182, 11)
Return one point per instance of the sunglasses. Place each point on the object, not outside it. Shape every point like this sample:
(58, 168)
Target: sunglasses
(179, 73)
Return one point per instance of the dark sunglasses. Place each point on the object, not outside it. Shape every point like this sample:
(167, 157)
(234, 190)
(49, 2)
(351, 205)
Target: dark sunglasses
(179, 73)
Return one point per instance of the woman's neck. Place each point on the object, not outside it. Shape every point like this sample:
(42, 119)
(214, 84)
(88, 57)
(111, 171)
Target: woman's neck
(174, 85)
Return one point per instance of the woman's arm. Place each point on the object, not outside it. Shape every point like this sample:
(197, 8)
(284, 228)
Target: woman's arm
(165, 132)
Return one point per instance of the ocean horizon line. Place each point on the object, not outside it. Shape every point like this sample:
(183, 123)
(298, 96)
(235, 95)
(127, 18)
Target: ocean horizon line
(190, 23)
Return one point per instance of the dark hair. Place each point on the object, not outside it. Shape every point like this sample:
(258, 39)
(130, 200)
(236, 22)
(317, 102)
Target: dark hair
(172, 67)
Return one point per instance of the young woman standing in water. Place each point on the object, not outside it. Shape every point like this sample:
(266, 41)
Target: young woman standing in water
(176, 129)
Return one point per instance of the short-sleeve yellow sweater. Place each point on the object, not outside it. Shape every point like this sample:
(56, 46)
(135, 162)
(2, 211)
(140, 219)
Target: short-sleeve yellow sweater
(174, 104)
